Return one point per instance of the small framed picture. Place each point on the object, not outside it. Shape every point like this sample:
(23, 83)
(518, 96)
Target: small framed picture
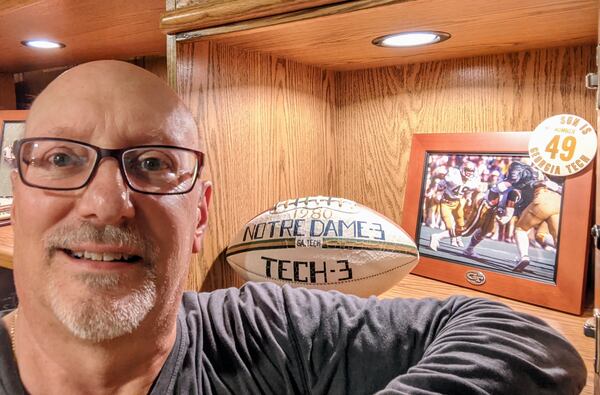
(12, 127)
(484, 217)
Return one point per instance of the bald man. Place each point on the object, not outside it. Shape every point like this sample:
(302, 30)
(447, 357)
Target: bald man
(109, 205)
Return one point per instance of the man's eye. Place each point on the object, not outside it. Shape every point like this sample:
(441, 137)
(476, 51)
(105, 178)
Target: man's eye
(61, 159)
(153, 161)
(152, 164)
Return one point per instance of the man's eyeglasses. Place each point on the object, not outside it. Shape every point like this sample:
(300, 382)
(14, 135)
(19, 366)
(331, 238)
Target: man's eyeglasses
(63, 165)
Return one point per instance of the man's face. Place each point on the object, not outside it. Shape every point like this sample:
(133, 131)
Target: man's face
(103, 258)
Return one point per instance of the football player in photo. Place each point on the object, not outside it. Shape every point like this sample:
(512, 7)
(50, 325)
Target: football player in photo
(540, 203)
(497, 207)
(457, 184)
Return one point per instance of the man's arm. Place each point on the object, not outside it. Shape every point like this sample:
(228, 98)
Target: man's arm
(456, 346)
(263, 338)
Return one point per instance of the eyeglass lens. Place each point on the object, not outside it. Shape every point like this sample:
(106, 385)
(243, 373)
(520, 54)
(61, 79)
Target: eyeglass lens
(58, 164)
(160, 170)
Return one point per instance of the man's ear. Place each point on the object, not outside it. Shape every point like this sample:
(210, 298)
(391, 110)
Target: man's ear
(202, 216)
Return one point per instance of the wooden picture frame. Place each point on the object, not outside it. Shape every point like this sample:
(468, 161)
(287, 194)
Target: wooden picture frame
(12, 127)
(492, 272)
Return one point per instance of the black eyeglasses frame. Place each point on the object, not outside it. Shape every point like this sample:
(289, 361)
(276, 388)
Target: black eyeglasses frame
(116, 153)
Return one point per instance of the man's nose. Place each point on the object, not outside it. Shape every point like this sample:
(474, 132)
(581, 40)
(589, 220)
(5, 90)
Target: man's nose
(106, 199)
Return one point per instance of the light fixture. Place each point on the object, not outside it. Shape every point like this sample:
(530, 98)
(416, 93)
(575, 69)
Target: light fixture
(411, 39)
(43, 44)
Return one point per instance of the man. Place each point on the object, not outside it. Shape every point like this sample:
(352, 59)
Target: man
(458, 183)
(433, 197)
(498, 205)
(540, 203)
(101, 254)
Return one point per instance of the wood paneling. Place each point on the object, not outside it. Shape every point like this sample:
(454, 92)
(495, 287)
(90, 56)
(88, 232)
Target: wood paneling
(109, 29)
(277, 129)
(9, 6)
(157, 65)
(378, 110)
(8, 99)
(267, 124)
(342, 41)
(597, 209)
(568, 325)
(296, 16)
(6, 246)
(198, 14)
(276, 6)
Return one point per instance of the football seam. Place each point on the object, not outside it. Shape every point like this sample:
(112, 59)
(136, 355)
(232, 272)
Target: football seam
(328, 243)
(337, 282)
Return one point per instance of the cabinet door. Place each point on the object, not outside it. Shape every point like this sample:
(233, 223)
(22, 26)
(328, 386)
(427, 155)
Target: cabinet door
(597, 254)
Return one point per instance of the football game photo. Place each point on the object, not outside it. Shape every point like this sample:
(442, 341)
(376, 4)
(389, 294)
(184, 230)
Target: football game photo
(494, 211)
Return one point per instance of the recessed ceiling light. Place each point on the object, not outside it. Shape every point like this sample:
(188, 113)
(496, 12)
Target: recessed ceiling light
(43, 44)
(411, 39)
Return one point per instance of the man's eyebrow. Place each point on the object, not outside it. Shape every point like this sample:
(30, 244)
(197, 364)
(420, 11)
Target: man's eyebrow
(59, 130)
(87, 130)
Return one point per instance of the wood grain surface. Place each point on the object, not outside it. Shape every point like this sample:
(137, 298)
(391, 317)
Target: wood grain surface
(254, 4)
(276, 129)
(6, 246)
(8, 6)
(266, 124)
(8, 99)
(597, 205)
(378, 110)
(157, 65)
(198, 14)
(567, 292)
(342, 40)
(109, 29)
(307, 14)
(569, 326)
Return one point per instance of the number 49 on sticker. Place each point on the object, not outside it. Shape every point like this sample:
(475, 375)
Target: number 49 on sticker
(562, 145)
(565, 148)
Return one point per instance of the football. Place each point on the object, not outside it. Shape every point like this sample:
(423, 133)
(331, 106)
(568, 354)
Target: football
(323, 242)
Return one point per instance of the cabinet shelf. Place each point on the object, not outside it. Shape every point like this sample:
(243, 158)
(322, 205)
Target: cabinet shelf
(338, 36)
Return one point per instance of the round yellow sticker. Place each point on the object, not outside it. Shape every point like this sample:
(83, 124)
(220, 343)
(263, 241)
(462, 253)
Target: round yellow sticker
(562, 145)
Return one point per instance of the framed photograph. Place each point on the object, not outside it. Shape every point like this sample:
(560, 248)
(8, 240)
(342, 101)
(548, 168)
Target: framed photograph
(12, 127)
(484, 217)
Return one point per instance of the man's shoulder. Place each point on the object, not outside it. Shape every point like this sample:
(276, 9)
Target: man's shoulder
(250, 294)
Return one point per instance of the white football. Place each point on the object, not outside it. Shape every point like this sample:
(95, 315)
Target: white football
(326, 243)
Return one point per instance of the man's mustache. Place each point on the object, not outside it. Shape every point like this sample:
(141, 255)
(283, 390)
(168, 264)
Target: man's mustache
(72, 236)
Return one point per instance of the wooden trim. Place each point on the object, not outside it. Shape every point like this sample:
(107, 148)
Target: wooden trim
(6, 232)
(217, 12)
(8, 99)
(305, 14)
(171, 5)
(343, 41)
(8, 6)
(567, 292)
(6, 247)
(597, 190)
(172, 61)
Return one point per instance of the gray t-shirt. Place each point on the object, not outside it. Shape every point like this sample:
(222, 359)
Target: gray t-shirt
(264, 339)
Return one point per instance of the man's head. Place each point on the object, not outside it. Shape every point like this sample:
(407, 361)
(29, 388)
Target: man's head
(106, 258)
(468, 169)
(494, 176)
(519, 174)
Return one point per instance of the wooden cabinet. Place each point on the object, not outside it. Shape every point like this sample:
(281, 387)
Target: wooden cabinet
(338, 35)
(293, 100)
